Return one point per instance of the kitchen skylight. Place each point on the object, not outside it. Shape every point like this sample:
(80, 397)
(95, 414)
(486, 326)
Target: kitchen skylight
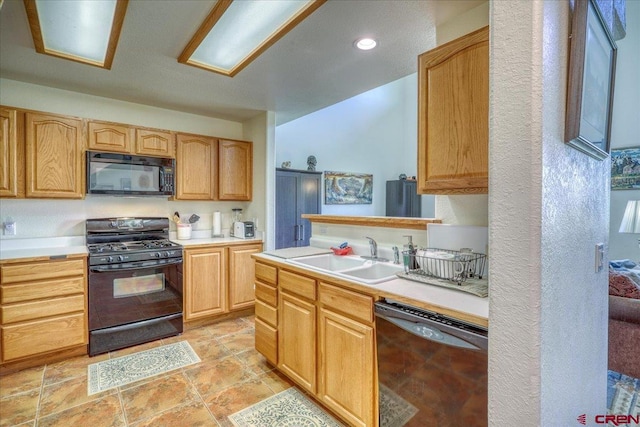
(84, 31)
(237, 32)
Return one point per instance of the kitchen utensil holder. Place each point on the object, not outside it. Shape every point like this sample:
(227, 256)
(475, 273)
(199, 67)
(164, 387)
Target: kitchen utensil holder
(184, 231)
(463, 265)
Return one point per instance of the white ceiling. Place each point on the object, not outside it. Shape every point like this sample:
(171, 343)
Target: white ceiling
(313, 66)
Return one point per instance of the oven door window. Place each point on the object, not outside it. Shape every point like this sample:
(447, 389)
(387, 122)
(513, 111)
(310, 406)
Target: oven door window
(131, 286)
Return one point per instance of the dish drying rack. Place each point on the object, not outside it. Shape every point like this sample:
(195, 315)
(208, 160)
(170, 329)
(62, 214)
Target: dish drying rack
(451, 265)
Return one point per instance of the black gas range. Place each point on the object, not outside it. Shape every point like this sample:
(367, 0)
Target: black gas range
(135, 282)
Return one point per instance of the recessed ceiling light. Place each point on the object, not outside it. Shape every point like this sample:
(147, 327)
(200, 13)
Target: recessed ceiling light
(366, 43)
(84, 31)
(237, 32)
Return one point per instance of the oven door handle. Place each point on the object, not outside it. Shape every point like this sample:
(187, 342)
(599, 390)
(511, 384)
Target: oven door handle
(110, 268)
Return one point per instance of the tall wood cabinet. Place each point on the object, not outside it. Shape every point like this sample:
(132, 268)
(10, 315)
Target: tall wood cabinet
(54, 164)
(297, 192)
(453, 116)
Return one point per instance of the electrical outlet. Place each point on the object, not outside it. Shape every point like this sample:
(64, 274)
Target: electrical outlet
(599, 257)
(10, 228)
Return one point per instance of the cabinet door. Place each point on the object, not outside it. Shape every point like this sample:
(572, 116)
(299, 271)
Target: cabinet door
(346, 368)
(155, 143)
(453, 116)
(241, 276)
(235, 170)
(297, 340)
(114, 137)
(194, 167)
(11, 153)
(54, 156)
(205, 282)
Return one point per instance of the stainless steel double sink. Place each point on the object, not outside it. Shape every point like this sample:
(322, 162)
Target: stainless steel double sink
(350, 267)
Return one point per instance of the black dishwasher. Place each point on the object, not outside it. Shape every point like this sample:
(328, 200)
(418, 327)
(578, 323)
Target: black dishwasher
(432, 369)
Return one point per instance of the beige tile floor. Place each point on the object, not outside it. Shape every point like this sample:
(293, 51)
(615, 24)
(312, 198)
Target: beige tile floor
(231, 377)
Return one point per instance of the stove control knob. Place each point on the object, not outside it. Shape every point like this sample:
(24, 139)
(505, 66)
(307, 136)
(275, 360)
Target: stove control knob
(109, 259)
(157, 255)
(166, 254)
(120, 258)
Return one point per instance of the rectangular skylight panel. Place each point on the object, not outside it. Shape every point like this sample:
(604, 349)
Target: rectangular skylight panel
(79, 28)
(244, 27)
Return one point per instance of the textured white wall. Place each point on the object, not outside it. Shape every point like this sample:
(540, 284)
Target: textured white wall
(52, 218)
(374, 132)
(547, 210)
(625, 128)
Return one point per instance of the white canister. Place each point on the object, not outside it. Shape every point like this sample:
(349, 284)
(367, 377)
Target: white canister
(184, 231)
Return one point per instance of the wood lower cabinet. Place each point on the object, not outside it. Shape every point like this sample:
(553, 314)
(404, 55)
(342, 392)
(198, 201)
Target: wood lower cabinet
(11, 153)
(195, 176)
(297, 339)
(453, 116)
(346, 355)
(54, 167)
(235, 170)
(218, 279)
(42, 307)
(205, 277)
(323, 337)
(241, 275)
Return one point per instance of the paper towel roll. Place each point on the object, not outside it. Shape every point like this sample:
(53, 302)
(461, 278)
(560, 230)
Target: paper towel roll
(217, 223)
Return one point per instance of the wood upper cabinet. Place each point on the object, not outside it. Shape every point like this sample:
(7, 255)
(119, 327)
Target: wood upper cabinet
(119, 138)
(54, 166)
(11, 153)
(105, 136)
(241, 276)
(195, 175)
(453, 116)
(205, 278)
(235, 170)
(42, 307)
(154, 142)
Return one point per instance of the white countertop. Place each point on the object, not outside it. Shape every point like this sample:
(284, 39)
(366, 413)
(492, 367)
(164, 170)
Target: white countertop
(432, 295)
(42, 247)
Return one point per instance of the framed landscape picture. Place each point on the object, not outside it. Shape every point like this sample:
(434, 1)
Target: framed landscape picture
(346, 188)
(625, 168)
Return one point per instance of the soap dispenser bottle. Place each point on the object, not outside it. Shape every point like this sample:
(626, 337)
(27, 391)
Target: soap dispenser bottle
(409, 254)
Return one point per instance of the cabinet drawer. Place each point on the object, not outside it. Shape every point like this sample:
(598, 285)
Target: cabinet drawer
(43, 308)
(301, 285)
(348, 302)
(42, 336)
(266, 273)
(267, 313)
(267, 341)
(43, 289)
(13, 273)
(267, 294)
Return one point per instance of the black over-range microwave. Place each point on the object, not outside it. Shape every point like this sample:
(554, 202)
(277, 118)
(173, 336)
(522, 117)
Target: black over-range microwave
(128, 175)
